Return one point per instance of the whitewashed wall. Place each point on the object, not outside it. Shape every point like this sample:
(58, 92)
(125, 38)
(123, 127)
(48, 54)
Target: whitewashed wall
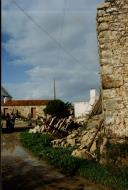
(82, 109)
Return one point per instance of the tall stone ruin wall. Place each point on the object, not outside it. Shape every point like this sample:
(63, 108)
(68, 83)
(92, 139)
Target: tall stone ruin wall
(112, 32)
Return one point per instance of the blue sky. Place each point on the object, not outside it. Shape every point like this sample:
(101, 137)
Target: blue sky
(60, 45)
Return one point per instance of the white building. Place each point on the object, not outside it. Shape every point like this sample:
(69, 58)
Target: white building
(82, 109)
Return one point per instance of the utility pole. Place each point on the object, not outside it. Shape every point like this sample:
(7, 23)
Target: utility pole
(54, 90)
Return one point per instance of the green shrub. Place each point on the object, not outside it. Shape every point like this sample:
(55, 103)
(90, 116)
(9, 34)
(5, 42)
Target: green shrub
(58, 108)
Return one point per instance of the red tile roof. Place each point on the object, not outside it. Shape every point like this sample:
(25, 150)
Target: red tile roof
(26, 102)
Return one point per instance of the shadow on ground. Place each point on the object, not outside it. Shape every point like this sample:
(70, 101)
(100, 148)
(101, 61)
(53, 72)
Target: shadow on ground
(16, 129)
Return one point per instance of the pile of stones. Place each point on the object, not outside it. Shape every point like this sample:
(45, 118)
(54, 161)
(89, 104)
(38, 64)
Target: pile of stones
(61, 127)
(84, 139)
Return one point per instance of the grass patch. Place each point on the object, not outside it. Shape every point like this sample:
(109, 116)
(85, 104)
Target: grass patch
(114, 151)
(40, 145)
(104, 175)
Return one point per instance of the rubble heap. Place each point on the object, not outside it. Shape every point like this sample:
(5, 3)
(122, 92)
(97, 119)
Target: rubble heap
(60, 127)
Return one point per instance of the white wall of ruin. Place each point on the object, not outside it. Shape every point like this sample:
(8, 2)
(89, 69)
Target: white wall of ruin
(82, 109)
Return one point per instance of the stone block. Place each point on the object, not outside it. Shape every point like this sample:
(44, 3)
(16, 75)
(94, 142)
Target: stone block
(104, 34)
(113, 104)
(124, 59)
(100, 13)
(108, 81)
(71, 142)
(104, 19)
(111, 10)
(103, 26)
(106, 61)
(106, 70)
(116, 62)
(110, 93)
(106, 54)
(124, 91)
(126, 121)
(103, 5)
(119, 120)
(104, 46)
(81, 154)
(109, 120)
(103, 41)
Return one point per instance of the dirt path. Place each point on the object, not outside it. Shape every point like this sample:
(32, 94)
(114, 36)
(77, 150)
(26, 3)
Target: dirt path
(22, 171)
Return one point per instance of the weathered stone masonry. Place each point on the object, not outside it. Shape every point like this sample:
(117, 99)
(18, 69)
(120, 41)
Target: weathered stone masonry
(112, 31)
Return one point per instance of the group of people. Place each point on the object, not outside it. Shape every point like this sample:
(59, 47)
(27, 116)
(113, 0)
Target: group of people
(10, 121)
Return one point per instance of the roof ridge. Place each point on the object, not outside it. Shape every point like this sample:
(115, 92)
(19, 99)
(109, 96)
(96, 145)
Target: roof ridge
(6, 92)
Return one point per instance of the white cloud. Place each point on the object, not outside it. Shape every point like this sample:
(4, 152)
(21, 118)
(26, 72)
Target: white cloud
(29, 45)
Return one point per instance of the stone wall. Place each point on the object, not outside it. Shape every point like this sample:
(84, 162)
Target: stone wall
(24, 110)
(112, 32)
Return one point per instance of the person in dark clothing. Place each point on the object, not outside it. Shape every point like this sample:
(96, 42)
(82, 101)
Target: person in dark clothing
(29, 119)
(8, 121)
(12, 120)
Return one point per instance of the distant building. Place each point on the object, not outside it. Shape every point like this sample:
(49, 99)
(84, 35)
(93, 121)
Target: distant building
(34, 108)
(5, 95)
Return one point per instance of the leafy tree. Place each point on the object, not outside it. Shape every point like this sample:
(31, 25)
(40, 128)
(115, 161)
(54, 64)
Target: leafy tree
(58, 108)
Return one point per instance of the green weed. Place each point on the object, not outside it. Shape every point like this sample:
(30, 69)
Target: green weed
(40, 145)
